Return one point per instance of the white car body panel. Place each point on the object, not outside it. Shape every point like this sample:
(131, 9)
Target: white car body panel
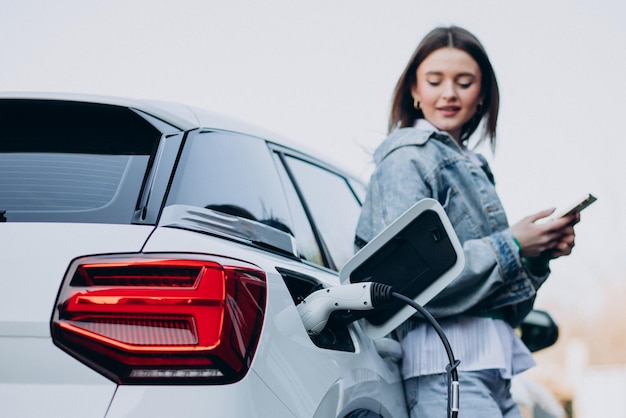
(285, 352)
(36, 377)
(247, 398)
(37, 369)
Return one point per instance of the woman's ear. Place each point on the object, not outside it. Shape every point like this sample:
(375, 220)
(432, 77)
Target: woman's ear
(416, 97)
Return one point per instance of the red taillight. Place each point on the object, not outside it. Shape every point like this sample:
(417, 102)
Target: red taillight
(155, 319)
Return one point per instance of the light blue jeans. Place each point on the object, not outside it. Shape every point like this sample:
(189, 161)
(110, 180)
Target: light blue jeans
(481, 394)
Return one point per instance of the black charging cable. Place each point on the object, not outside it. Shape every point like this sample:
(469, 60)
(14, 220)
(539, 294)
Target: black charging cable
(381, 294)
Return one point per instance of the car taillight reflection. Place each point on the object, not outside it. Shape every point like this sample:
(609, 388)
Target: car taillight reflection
(161, 319)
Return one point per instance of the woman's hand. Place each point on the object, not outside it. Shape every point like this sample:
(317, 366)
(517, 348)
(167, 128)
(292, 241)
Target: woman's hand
(553, 238)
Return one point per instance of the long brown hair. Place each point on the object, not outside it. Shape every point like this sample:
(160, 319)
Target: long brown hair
(403, 113)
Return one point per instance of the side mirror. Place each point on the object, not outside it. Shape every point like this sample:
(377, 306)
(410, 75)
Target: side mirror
(538, 330)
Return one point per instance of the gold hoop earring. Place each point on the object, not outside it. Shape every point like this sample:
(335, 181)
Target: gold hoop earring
(416, 104)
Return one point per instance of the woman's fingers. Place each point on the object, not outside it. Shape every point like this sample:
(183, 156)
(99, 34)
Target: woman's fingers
(555, 237)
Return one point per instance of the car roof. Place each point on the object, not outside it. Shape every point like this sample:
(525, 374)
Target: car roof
(180, 116)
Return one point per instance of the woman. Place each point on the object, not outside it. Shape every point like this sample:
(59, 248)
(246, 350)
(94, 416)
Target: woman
(447, 89)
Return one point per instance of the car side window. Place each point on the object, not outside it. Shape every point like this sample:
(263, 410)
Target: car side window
(231, 173)
(332, 205)
(308, 247)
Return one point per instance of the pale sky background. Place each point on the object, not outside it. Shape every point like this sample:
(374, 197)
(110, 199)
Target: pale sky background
(322, 72)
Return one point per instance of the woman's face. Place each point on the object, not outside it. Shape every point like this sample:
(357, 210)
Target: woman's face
(448, 88)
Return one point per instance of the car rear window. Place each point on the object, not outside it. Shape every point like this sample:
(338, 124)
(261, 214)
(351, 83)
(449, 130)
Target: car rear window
(72, 162)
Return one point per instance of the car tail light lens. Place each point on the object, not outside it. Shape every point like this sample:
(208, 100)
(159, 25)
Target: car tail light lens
(160, 319)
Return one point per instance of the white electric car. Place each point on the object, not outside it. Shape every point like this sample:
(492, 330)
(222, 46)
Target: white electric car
(151, 259)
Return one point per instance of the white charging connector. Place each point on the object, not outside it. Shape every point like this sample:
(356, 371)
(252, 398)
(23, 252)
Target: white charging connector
(315, 309)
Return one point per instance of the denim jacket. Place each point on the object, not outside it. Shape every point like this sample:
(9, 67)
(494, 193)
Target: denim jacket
(412, 164)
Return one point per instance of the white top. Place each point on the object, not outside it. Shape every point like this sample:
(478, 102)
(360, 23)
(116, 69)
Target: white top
(479, 343)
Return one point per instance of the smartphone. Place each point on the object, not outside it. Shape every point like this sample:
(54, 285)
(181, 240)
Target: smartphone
(580, 205)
